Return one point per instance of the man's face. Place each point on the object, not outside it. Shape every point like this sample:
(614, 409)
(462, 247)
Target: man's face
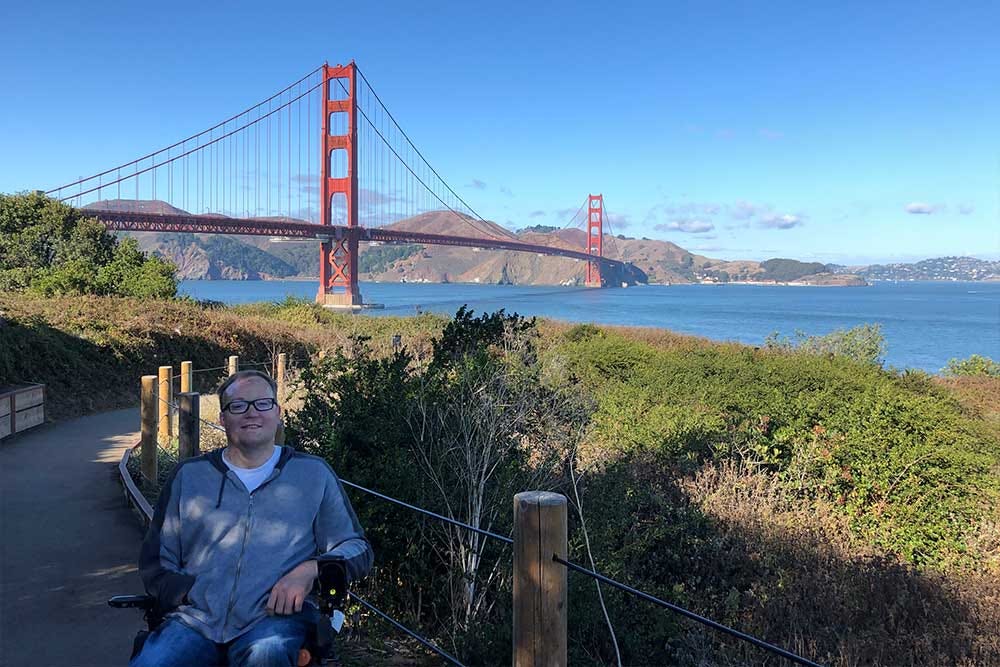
(253, 428)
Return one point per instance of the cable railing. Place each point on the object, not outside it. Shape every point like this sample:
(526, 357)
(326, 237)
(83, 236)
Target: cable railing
(575, 567)
(402, 628)
(760, 643)
(429, 513)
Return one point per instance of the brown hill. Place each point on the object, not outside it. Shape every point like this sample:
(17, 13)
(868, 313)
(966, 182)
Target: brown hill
(477, 265)
(236, 257)
(153, 206)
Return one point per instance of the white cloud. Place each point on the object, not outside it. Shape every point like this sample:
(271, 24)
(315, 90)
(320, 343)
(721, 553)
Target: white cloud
(921, 208)
(966, 209)
(476, 184)
(686, 226)
(620, 221)
(786, 221)
(744, 209)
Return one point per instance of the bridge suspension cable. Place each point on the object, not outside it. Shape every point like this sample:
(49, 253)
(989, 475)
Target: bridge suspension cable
(407, 167)
(184, 141)
(256, 163)
(611, 231)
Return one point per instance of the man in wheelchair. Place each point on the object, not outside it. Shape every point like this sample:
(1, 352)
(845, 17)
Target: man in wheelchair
(234, 547)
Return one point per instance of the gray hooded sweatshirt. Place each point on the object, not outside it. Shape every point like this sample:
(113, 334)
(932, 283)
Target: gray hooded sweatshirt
(214, 551)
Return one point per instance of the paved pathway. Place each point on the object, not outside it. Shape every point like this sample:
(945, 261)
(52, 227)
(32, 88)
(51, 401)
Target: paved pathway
(67, 543)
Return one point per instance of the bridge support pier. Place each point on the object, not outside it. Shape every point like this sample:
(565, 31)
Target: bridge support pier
(595, 239)
(338, 273)
(338, 254)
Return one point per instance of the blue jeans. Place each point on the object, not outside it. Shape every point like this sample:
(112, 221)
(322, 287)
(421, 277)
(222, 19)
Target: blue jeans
(273, 642)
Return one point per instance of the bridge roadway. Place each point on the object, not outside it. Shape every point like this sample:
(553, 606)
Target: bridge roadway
(218, 224)
(67, 543)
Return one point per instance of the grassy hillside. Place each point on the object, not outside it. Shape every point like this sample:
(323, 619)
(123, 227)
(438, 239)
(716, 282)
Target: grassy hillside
(837, 509)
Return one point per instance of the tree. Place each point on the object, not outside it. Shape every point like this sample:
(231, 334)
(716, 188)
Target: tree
(131, 273)
(51, 248)
(484, 427)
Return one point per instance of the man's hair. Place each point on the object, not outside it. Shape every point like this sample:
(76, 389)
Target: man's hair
(244, 375)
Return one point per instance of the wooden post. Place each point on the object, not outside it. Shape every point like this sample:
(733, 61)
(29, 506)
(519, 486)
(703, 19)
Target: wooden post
(187, 377)
(279, 375)
(234, 364)
(188, 425)
(539, 582)
(165, 429)
(148, 413)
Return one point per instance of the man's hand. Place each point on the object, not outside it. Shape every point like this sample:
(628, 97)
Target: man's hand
(291, 590)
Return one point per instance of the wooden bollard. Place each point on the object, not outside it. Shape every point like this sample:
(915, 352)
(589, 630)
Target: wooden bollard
(165, 430)
(148, 413)
(188, 425)
(539, 582)
(234, 364)
(279, 375)
(187, 377)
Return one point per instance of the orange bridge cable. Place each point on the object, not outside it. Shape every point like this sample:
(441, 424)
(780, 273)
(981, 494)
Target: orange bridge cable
(412, 145)
(578, 211)
(399, 626)
(607, 218)
(213, 142)
(184, 141)
(760, 643)
(486, 231)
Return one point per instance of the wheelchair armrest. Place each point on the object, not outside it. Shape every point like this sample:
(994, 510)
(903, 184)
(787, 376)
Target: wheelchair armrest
(331, 583)
(146, 602)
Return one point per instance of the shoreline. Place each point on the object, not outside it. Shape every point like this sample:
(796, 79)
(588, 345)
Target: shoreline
(304, 279)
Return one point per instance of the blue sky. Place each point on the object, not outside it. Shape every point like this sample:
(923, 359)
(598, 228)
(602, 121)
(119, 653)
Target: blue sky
(840, 131)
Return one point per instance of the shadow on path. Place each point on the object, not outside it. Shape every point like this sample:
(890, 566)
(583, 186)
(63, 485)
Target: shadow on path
(67, 543)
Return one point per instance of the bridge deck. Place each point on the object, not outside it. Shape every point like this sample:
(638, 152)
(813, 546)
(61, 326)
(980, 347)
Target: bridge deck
(67, 543)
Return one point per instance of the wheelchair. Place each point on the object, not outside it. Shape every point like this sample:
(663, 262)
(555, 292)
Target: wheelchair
(331, 594)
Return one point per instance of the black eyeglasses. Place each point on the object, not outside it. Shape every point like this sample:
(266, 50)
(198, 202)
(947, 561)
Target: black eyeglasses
(260, 405)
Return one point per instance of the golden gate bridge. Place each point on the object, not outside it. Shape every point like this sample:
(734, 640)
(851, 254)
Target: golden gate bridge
(322, 159)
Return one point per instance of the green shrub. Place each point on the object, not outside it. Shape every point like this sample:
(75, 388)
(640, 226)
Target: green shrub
(864, 344)
(975, 366)
(902, 461)
(53, 250)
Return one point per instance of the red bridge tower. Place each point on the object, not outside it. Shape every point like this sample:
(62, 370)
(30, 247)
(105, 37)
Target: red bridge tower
(595, 238)
(338, 254)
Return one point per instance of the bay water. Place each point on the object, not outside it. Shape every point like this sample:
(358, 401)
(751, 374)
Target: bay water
(924, 323)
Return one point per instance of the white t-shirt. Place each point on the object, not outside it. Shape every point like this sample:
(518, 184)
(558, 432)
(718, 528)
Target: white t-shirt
(254, 477)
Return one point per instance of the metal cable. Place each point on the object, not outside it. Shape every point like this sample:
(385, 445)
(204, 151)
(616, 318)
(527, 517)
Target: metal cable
(566, 226)
(191, 138)
(429, 513)
(207, 370)
(413, 173)
(212, 142)
(604, 211)
(688, 614)
(258, 363)
(399, 626)
(177, 408)
(417, 150)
